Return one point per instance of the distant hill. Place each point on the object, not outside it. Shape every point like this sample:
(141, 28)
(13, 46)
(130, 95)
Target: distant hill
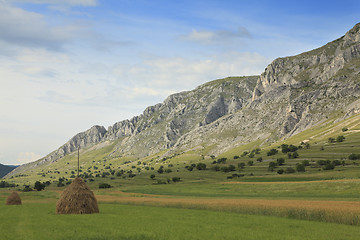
(4, 169)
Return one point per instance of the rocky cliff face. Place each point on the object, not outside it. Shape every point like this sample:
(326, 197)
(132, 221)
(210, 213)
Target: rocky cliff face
(291, 95)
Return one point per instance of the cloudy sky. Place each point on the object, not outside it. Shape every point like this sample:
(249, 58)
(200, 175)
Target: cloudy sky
(66, 65)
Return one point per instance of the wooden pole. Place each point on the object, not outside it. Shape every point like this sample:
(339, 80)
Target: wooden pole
(78, 161)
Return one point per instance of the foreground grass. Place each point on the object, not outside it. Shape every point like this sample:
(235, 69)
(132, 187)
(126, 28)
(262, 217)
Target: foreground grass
(115, 221)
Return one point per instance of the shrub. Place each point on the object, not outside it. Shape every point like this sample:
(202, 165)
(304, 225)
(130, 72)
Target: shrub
(241, 165)
(251, 155)
(328, 166)
(272, 152)
(4, 184)
(250, 163)
(306, 162)
(280, 171)
(176, 179)
(259, 159)
(244, 153)
(300, 167)
(331, 140)
(289, 170)
(39, 186)
(104, 185)
(344, 129)
(340, 138)
(201, 166)
(168, 170)
(272, 166)
(336, 163)
(236, 157)
(280, 161)
(222, 160)
(354, 156)
(215, 168)
(152, 176)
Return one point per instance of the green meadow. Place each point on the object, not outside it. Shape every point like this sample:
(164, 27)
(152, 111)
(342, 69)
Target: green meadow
(116, 221)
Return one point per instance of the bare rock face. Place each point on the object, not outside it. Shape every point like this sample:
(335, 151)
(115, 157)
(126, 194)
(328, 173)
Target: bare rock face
(290, 96)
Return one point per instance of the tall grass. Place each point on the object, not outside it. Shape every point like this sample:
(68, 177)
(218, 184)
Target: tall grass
(342, 212)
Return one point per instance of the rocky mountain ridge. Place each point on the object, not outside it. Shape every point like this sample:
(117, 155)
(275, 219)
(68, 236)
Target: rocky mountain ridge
(291, 95)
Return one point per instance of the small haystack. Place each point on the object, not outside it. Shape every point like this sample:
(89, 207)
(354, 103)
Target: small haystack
(13, 199)
(77, 199)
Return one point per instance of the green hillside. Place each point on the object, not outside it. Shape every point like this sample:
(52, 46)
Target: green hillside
(248, 162)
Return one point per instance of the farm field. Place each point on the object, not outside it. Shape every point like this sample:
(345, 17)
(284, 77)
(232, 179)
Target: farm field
(116, 221)
(327, 209)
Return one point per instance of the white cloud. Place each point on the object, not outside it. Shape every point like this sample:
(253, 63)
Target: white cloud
(214, 37)
(26, 157)
(23, 28)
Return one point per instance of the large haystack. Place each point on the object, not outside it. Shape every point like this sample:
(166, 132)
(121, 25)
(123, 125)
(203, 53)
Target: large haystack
(77, 199)
(13, 199)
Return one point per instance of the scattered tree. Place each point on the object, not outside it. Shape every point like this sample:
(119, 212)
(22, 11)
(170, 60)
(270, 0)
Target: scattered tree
(39, 186)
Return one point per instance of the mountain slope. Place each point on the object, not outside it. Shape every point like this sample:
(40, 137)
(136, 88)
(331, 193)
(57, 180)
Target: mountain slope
(5, 169)
(292, 94)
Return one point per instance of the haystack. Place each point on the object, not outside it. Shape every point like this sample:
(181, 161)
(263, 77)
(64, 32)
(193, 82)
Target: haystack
(13, 199)
(77, 199)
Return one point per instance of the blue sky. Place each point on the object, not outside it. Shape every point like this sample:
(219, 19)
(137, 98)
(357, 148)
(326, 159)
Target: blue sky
(66, 65)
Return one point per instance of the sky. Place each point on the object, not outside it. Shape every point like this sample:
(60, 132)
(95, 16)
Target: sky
(66, 65)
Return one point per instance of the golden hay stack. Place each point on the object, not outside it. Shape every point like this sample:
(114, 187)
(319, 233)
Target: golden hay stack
(13, 199)
(77, 199)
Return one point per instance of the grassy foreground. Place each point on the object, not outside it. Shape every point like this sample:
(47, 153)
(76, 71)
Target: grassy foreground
(116, 221)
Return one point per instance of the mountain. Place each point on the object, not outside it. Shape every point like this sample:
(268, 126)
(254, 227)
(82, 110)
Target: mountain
(293, 94)
(5, 169)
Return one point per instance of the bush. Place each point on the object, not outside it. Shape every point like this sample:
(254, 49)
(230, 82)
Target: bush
(340, 138)
(241, 165)
(344, 129)
(328, 166)
(306, 162)
(289, 170)
(152, 176)
(250, 163)
(176, 179)
(39, 186)
(168, 170)
(4, 184)
(280, 171)
(222, 160)
(236, 157)
(272, 152)
(331, 140)
(354, 156)
(259, 159)
(300, 167)
(272, 166)
(201, 166)
(104, 185)
(215, 168)
(280, 161)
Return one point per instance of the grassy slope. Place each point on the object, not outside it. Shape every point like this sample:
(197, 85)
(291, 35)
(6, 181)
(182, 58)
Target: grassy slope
(317, 137)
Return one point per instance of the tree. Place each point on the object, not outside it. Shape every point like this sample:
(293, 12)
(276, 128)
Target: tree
(39, 186)
(280, 161)
(176, 179)
(272, 152)
(340, 138)
(300, 167)
(201, 166)
(272, 166)
(241, 165)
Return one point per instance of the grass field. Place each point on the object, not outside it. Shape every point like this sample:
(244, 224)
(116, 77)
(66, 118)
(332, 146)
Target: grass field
(115, 221)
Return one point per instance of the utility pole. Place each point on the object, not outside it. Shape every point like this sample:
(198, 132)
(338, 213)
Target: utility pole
(78, 161)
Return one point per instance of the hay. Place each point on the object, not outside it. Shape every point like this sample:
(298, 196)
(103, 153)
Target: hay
(77, 199)
(13, 199)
